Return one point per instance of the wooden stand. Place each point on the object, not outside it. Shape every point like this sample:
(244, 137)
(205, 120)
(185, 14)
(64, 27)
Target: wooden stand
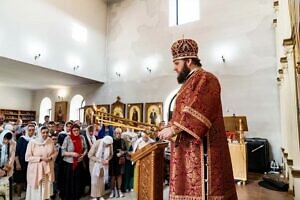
(238, 155)
(150, 165)
(238, 151)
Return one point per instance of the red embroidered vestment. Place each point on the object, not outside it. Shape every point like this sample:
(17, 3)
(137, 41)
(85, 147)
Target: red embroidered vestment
(198, 112)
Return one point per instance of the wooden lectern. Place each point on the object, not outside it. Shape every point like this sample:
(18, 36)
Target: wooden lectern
(238, 151)
(150, 165)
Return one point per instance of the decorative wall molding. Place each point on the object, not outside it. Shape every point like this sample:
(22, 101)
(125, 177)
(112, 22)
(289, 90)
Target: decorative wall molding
(276, 5)
(296, 173)
(290, 162)
(275, 22)
(288, 42)
(283, 59)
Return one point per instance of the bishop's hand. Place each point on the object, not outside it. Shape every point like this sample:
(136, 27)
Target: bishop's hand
(166, 134)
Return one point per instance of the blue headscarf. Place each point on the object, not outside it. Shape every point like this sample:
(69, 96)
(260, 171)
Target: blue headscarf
(102, 132)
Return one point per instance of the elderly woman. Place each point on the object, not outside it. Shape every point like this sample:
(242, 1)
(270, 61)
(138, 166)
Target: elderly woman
(40, 155)
(21, 164)
(100, 154)
(73, 150)
(117, 164)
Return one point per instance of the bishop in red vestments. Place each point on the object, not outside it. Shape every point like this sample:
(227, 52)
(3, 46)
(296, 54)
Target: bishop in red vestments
(200, 167)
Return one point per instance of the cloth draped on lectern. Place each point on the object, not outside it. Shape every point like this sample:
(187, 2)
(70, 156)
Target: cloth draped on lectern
(198, 112)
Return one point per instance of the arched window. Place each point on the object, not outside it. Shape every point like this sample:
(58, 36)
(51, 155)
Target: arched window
(76, 108)
(169, 105)
(45, 109)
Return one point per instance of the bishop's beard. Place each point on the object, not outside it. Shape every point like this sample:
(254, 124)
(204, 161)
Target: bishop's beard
(182, 76)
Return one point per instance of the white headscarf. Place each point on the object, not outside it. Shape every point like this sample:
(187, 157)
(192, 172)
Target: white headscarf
(65, 129)
(26, 136)
(9, 127)
(102, 153)
(39, 139)
(4, 149)
(88, 136)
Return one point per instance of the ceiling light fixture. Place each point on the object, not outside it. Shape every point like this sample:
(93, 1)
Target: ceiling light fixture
(75, 68)
(37, 56)
(223, 59)
(149, 69)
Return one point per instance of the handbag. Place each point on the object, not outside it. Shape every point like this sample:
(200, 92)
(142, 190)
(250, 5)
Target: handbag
(122, 160)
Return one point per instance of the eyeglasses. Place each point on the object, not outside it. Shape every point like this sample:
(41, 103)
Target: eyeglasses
(31, 129)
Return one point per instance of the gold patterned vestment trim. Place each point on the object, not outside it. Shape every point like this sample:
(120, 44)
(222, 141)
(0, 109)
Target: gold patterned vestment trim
(183, 197)
(186, 197)
(187, 130)
(197, 115)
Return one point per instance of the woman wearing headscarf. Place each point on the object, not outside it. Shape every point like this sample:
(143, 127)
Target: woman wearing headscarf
(8, 147)
(90, 139)
(63, 134)
(73, 150)
(40, 155)
(100, 154)
(21, 164)
(117, 164)
(127, 184)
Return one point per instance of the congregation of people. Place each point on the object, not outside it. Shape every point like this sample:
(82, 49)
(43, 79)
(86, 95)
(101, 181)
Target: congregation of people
(68, 161)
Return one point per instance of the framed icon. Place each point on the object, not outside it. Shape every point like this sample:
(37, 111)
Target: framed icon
(89, 118)
(105, 108)
(154, 113)
(135, 112)
(61, 111)
(118, 108)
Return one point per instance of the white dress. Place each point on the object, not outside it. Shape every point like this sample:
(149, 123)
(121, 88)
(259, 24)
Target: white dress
(44, 191)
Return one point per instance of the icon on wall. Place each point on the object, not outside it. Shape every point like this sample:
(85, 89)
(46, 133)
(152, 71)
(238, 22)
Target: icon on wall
(135, 112)
(154, 113)
(118, 108)
(61, 111)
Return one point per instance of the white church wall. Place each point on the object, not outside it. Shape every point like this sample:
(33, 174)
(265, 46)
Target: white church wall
(16, 98)
(139, 36)
(65, 34)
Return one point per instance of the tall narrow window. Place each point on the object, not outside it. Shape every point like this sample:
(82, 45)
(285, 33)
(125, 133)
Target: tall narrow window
(183, 11)
(45, 109)
(75, 107)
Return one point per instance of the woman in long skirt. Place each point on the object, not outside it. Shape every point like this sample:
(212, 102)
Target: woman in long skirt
(40, 155)
(99, 155)
(73, 150)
